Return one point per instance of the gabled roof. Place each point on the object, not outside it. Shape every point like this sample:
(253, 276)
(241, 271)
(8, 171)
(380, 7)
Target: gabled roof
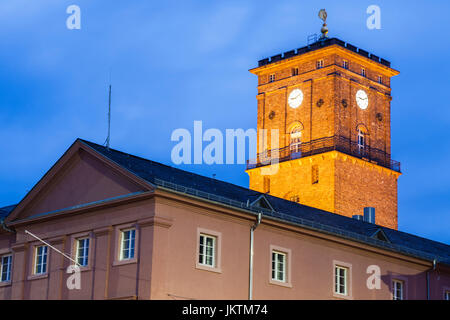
(291, 212)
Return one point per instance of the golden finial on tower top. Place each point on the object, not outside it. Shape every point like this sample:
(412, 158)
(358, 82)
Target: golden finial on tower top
(323, 15)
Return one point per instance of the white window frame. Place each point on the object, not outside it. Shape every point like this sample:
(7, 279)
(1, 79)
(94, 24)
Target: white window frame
(8, 268)
(319, 64)
(275, 263)
(447, 295)
(85, 251)
(295, 143)
(338, 281)
(38, 269)
(122, 242)
(394, 289)
(202, 250)
(363, 72)
(361, 140)
(272, 77)
(380, 79)
(345, 64)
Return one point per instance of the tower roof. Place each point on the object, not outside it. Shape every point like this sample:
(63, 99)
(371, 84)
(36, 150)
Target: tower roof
(321, 44)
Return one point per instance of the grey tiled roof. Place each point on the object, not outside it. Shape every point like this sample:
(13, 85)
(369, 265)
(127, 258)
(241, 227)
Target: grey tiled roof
(291, 212)
(5, 211)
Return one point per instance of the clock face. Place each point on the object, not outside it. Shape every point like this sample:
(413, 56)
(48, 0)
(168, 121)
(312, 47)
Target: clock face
(295, 98)
(362, 99)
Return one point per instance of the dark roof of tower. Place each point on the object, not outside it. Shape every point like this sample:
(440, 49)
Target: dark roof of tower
(321, 44)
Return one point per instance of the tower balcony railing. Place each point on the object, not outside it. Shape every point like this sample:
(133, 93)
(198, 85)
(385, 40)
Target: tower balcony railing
(334, 143)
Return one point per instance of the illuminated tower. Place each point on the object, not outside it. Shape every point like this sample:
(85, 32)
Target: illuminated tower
(331, 103)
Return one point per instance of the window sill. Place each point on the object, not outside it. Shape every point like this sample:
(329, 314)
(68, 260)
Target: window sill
(280, 283)
(5, 284)
(124, 262)
(342, 296)
(37, 276)
(206, 268)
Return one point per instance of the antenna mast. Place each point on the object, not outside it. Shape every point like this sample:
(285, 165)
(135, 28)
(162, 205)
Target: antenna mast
(109, 119)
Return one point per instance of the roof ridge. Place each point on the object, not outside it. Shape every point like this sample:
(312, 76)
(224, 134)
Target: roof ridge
(170, 167)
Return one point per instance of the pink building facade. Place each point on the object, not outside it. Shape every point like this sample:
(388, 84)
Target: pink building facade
(142, 230)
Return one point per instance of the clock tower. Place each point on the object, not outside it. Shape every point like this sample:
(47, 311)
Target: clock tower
(331, 104)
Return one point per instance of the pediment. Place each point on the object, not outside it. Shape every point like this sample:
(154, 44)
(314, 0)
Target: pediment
(82, 176)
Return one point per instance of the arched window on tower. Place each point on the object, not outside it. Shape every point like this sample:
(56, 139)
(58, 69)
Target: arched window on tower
(361, 141)
(296, 140)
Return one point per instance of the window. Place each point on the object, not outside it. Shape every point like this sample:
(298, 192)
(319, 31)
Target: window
(319, 64)
(295, 72)
(5, 268)
(207, 251)
(128, 244)
(447, 295)
(380, 79)
(294, 198)
(296, 140)
(345, 64)
(83, 252)
(361, 141)
(278, 266)
(363, 72)
(397, 290)
(272, 77)
(40, 260)
(315, 174)
(340, 280)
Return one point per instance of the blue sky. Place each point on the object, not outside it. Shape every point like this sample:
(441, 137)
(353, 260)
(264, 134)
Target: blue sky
(173, 62)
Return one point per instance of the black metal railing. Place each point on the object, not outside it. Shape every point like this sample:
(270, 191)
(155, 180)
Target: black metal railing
(336, 143)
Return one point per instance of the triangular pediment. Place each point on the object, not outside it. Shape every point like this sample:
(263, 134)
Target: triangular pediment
(82, 176)
(262, 202)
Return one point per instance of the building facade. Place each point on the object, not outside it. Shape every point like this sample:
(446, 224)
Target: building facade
(138, 229)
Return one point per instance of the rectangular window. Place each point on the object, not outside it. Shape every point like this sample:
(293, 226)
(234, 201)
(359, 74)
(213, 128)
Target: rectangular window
(295, 198)
(319, 64)
(295, 72)
(40, 260)
(315, 174)
(380, 79)
(128, 244)
(207, 250)
(278, 266)
(345, 64)
(83, 252)
(447, 295)
(272, 77)
(363, 72)
(340, 280)
(5, 268)
(397, 290)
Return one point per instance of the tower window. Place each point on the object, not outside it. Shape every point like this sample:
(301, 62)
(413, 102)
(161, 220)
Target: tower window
(380, 79)
(315, 174)
(361, 141)
(272, 77)
(266, 185)
(295, 72)
(363, 72)
(296, 140)
(345, 64)
(319, 64)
